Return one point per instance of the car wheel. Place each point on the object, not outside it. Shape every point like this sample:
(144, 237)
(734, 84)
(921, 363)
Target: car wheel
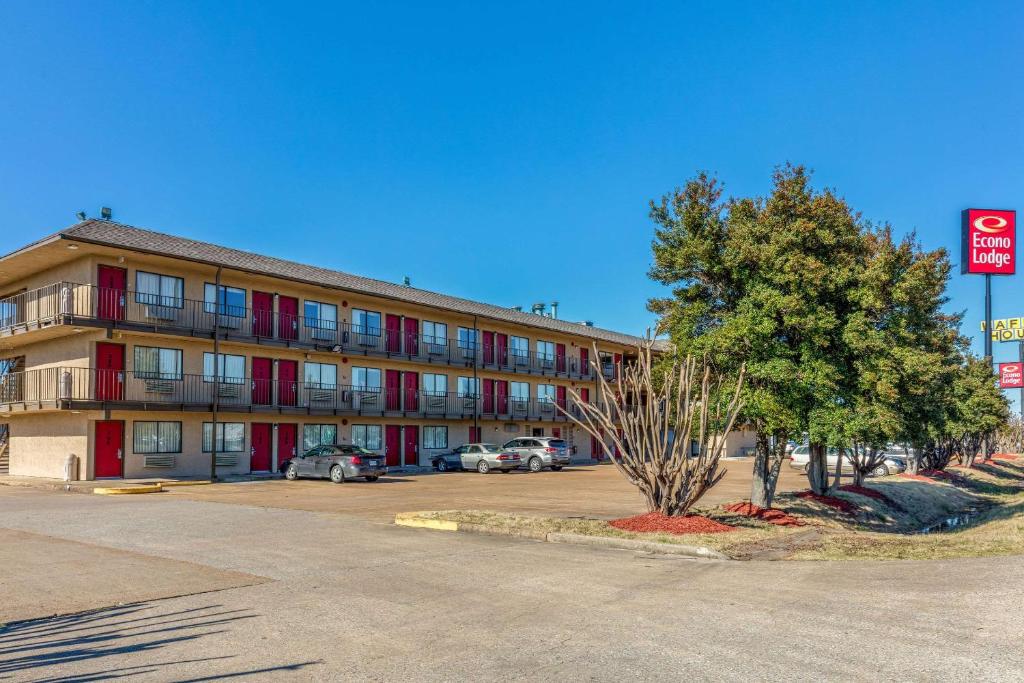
(337, 476)
(373, 478)
(556, 468)
(535, 464)
(881, 471)
(482, 467)
(292, 473)
(442, 466)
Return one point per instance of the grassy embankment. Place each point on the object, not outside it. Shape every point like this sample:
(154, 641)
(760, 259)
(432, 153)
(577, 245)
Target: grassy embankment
(885, 525)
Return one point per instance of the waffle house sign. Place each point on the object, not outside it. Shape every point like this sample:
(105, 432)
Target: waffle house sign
(1007, 329)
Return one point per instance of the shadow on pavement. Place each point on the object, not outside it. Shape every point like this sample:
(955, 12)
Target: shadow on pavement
(110, 635)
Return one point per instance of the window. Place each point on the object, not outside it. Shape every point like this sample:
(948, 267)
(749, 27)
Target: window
(519, 391)
(545, 393)
(545, 351)
(318, 435)
(367, 436)
(231, 368)
(154, 363)
(321, 317)
(320, 375)
(435, 384)
(469, 387)
(519, 348)
(435, 437)
(435, 333)
(365, 322)
(467, 338)
(156, 437)
(230, 437)
(229, 301)
(159, 290)
(366, 379)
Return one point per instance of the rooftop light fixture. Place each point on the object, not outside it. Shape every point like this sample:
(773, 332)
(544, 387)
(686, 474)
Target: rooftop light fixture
(72, 247)
(80, 215)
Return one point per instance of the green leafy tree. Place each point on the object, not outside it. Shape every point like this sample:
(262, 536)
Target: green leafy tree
(763, 282)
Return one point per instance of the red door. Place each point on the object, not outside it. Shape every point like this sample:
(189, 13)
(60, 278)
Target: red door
(262, 381)
(109, 448)
(501, 342)
(556, 432)
(412, 443)
(287, 317)
(584, 361)
(488, 396)
(392, 445)
(501, 390)
(595, 449)
(287, 372)
(260, 447)
(488, 348)
(585, 395)
(474, 435)
(112, 284)
(392, 390)
(262, 314)
(559, 357)
(109, 372)
(560, 397)
(287, 442)
(412, 336)
(393, 333)
(616, 363)
(412, 391)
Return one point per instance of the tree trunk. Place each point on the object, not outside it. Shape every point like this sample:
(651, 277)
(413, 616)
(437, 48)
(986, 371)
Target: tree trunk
(767, 463)
(817, 472)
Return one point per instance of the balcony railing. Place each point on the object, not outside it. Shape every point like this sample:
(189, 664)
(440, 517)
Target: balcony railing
(66, 387)
(71, 303)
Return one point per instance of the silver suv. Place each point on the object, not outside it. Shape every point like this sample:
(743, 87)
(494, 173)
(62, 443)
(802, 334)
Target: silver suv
(537, 452)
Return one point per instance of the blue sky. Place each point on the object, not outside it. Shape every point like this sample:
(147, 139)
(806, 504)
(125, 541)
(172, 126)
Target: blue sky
(501, 151)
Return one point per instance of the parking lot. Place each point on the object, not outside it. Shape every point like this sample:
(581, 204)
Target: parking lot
(591, 491)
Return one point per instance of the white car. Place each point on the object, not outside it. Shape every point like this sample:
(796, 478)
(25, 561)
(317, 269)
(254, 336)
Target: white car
(800, 459)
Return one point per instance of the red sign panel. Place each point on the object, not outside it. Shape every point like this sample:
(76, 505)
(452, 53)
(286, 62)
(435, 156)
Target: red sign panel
(989, 241)
(1010, 376)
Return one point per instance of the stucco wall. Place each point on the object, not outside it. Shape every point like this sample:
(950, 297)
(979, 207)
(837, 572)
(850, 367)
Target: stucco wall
(40, 443)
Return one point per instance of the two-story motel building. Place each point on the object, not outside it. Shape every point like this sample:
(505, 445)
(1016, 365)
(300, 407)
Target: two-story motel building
(143, 354)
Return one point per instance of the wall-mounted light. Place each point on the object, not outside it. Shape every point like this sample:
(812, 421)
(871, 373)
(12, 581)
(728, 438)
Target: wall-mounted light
(72, 247)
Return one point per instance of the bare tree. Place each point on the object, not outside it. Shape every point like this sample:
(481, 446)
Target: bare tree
(666, 434)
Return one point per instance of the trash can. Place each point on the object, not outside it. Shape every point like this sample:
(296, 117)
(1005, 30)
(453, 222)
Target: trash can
(71, 467)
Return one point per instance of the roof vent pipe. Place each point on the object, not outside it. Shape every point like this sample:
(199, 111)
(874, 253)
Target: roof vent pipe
(554, 309)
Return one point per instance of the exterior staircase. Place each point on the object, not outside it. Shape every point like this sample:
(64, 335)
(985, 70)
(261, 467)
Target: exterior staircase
(5, 451)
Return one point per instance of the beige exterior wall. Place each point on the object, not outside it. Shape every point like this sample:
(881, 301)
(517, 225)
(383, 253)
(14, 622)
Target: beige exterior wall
(40, 443)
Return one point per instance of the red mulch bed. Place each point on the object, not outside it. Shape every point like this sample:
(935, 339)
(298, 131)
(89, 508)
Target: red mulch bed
(843, 506)
(932, 475)
(872, 493)
(1005, 456)
(655, 522)
(770, 515)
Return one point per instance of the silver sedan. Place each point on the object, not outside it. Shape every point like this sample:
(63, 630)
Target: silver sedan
(484, 457)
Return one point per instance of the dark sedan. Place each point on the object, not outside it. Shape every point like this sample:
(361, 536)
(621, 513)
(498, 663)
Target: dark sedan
(337, 463)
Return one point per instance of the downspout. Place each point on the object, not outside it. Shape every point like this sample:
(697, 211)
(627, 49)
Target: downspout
(216, 374)
(476, 381)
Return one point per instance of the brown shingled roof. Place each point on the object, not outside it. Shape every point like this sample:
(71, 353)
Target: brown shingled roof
(114, 234)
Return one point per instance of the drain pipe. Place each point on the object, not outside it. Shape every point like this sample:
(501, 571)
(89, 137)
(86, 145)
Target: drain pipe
(216, 375)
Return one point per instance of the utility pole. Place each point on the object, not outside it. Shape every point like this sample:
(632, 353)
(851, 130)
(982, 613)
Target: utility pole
(216, 374)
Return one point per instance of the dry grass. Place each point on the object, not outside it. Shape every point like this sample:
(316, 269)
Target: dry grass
(877, 531)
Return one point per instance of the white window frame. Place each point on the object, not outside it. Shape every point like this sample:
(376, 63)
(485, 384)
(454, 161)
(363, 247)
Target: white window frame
(233, 430)
(317, 375)
(431, 434)
(171, 357)
(173, 428)
(176, 299)
(361, 436)
(222, 368)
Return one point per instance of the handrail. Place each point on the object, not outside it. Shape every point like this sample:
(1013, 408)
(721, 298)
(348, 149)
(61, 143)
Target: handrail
(131, 388)
(81, 302)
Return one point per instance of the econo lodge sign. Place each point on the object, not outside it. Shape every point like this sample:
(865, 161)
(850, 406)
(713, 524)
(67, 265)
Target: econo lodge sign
(989, 241)
(1010, 376)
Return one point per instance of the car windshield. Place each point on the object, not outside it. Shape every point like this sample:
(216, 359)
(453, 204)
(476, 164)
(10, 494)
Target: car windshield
(489, 447)
(359, 450)
(801, 450)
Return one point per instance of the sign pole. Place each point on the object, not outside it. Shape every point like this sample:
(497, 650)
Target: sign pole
(988, 319)
(1020, 355)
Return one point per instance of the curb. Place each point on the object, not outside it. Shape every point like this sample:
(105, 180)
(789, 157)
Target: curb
(126, 490)
(410, 519)
(184, 482)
